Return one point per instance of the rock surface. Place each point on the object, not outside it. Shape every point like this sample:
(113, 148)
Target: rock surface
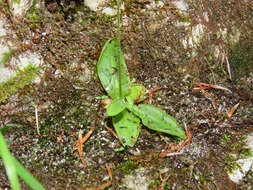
(165, 43)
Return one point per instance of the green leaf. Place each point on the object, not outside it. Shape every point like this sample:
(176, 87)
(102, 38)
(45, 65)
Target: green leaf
(127, 127)
(27, 176)
(8, 126)
(115, 107)
(119, 149)
(113, 76)
(157, 119)
(15, 169)
(9, 164)
(6, 56)
(137, 93)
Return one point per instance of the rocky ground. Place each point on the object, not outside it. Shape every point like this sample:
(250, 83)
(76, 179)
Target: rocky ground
(168, 43)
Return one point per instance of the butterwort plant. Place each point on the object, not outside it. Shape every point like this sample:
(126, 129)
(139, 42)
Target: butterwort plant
(125, 106)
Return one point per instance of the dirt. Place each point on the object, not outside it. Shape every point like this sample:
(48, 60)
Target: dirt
(155, 57)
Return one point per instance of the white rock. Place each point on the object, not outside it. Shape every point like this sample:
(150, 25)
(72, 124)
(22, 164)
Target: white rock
(245, 164)
(205, 15)
(232, 37)
(249, 142)
(93, 4)
(155, 4)
(181, 5)
(28, 57)
(138, 180)
(6, 74)
(238, 174)
(99, 5)
(2, 30)
(23, 60)
(196, 36)
(109, 11)
(19, 9)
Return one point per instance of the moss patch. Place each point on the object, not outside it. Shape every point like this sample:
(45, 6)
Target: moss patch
(241, 59)
(22, 78)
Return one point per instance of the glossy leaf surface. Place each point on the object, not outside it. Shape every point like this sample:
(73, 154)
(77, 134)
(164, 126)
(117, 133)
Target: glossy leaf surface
(113, 75)
(158, 120)
(127, 127)
(9, 164)
(115, 107)
(137, 93)
(27, 176)
(15, 169)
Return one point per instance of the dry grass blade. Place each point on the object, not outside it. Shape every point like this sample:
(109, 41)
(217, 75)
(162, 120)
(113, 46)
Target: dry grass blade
(85, 138)
(231, 112)
(163, 181)
(182, 145)
(210, 86)
(80, 149)
(37, 121)
(203, 86)
(220, 88)
(169, 154)
(188, 140)
(82, 140)
(228, 67)
(189, 135)
(109, 171)
(107, 184)
(111, 131)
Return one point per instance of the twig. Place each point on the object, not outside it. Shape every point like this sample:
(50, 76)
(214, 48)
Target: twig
(172, 154)
(37, 121)
(228, 67)
(189, 135)
(188, 140)
(82, 140)
(182, 145)
(231, 112)
(209, 86)
(80, 149)
(111, 131)
(203, 86)
(163, 181)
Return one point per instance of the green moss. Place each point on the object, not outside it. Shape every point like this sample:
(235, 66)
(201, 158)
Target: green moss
(231, 164)
(246, 153)
(127, 167)
(154, 183)
(22, 78)
(226, 139)
(32, 8)
(16, 1)
(108, 18)
(181, 17)
(241, 59)
(5, 57)
(32, 14)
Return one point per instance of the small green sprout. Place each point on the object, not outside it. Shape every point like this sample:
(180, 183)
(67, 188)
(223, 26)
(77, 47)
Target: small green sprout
(13, 167)
(126, 115)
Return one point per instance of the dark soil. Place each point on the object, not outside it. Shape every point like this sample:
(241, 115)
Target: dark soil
(155, 57)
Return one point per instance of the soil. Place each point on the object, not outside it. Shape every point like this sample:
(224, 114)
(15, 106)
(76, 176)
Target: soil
(70, 41)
